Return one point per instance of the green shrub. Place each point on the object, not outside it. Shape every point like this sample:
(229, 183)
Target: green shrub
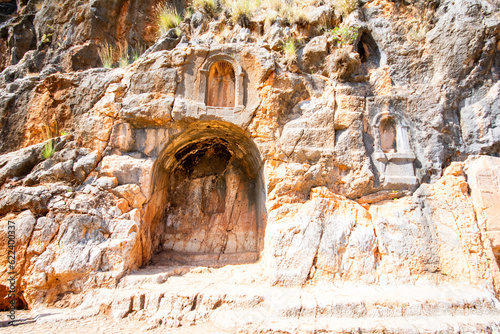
(345, 35)
(125, 54)
(166, 18)
(188, 13)
(290, 11)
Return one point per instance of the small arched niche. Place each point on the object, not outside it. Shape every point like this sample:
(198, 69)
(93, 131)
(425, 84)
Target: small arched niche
(387, 129)
(208, 203)
(221, 85)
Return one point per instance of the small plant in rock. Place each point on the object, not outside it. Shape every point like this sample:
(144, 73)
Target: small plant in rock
(188, 13)
(47, 38)
(106, 54)
(48, 149)
(137, 52)
(290, 47)
(166, 18)
(51, 131)
(206, 6)
(123, 54)
(346, 7)
(273, 5)
(241, 10)
(293, 13)
(417, 34)
(345, 35)
(47, 35)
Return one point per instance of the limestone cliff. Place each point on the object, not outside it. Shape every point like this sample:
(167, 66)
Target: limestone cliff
(367, 153)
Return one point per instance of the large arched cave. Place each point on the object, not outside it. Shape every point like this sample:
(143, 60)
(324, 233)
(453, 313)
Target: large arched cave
(208, 201)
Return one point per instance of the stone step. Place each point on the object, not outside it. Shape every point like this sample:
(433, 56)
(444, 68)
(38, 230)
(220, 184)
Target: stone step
(185, 296)
(393, 325)
(238, 299)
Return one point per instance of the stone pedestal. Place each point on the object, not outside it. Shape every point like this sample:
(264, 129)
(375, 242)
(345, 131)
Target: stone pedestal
(396, 170)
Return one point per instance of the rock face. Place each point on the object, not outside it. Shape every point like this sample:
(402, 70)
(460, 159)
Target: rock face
(375, 162)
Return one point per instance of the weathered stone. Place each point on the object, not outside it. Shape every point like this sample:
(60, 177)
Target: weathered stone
(122, 137)
(33, 198)
(132, 193)
(316, 234)
(166, 42)
(342, 64)
(314, 53)
(15, 233)
(276, 35)
(106, 182)
(85, 164)
(300, 137)
(483, 177)
(127, 169)
(349, 109)
(480, 123)
(19, 163)
(44, 231)
(147, 110)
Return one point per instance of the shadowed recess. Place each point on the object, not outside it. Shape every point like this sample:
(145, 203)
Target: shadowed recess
(208, 200)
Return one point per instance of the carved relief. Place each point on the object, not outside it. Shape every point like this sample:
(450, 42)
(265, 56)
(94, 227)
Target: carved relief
(393, 155)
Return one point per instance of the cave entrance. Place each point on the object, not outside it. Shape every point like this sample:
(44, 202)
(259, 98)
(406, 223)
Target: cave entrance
(208, 197)
(368, 50)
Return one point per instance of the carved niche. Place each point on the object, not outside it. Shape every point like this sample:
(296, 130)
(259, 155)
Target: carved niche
(393, 155)
(220, 85)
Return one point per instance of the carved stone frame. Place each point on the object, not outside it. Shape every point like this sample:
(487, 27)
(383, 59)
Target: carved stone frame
(395, 169)
(239, 93)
